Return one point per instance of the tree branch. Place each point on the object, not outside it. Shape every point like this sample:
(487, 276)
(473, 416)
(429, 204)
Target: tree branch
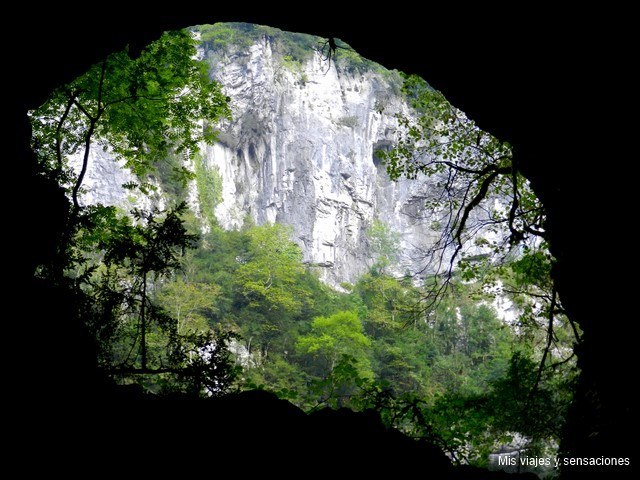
(63, 118)
(83, 170)
(103, 70)
(550, 317)
(82, 109)
(475, 201)
(87, 142)
(135, 97)
(516, 236)
(553, 366)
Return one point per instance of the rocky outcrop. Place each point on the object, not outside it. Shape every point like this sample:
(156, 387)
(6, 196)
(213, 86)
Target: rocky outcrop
(302, 150)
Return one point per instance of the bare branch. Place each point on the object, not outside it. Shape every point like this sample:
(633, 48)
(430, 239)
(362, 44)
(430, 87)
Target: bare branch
(481, 195)
(63, 118)
(550, 335)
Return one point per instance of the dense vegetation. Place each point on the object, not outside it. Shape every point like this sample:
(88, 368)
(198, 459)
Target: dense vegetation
(151, 113)
(176, 311)
(460, 376)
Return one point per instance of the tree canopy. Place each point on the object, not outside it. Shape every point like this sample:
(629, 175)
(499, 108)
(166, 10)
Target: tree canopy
(140, 109)
(145, 111)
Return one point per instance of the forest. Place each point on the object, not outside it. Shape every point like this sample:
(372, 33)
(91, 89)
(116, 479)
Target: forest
(179, 306)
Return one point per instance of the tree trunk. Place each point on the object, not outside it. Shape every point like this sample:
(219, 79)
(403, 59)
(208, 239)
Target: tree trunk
(63, 118)
(143, 324)
(85, 162)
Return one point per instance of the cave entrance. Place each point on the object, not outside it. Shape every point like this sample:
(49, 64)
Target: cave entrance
(361, 243)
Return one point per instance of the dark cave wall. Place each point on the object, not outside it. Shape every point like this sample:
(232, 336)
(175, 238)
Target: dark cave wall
(545, 81)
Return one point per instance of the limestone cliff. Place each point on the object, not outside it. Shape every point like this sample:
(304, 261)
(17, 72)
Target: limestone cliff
(301, 150)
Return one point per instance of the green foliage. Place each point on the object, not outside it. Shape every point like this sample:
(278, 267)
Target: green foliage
(393, 78)
(152, 246)
(441, 138)
(349, 121)
(151, 112)
(209, 185)
(488, 387)
(226, 35)
(281, 376)
(478, 181)
(296, 67)
(515, 408)
(448, 375)
(332, 337)
(533, 269)
(298, 47)
(190, 304)
(338, 348)
(209, 367)
(293, 48)
(141, 109)
(138, 338)
(403, 362)
(470, 425)
(371, 347)
(384, 244)
(388, 304)
(341, 387)
(271, 270)
(349, 61)
(172, 175)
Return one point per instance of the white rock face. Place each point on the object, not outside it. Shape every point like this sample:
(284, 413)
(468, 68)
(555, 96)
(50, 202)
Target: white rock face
(104, 180)
(301, 151)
